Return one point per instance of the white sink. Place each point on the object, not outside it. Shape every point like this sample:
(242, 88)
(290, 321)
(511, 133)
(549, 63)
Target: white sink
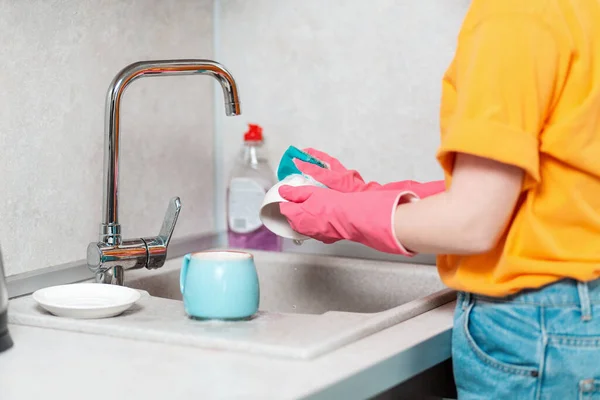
(309, 305)
(312, 284)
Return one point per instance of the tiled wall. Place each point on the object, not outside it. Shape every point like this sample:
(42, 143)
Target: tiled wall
(58, 58)
(358, 79)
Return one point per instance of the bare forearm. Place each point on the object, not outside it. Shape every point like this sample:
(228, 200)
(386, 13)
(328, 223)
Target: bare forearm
(469, 218)
(436, 225)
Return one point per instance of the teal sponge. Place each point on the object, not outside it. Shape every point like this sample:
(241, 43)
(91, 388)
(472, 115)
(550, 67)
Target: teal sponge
(287, 166)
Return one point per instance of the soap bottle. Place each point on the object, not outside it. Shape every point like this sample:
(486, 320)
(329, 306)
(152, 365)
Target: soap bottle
(250, 179)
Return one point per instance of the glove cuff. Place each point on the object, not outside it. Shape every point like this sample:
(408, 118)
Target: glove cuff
(402, 198)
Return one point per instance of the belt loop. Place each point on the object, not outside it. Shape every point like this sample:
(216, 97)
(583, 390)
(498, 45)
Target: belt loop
(584, 301)
(466, 300)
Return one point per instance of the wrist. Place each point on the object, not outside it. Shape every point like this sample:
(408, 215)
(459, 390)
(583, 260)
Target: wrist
(403, 198)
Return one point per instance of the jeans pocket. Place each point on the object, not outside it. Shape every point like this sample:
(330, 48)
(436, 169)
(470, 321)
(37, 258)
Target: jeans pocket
(504, 338)
(589, 389)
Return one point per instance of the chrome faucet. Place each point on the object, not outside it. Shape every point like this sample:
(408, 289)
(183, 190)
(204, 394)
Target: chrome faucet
(112, 255)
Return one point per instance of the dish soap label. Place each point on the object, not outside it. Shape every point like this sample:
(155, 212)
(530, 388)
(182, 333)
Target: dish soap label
(245, 198)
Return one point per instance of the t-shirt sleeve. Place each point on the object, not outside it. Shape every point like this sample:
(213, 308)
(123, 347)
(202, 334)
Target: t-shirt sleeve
(503, 81)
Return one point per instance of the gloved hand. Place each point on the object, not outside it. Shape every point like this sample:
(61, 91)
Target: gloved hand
(328, 215)
(339, 178)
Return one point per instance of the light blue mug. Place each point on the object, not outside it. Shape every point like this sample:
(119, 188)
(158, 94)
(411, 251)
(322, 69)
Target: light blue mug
(219, 285)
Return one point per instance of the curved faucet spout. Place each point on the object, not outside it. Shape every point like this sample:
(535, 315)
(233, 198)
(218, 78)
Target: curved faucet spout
(112, 255)
(110, 229)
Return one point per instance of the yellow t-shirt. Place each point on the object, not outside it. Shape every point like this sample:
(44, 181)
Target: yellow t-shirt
(524, 89)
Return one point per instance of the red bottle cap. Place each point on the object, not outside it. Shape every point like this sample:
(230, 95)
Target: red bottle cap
(254, 133)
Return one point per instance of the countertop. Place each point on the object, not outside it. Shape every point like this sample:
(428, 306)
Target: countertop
(47, 363)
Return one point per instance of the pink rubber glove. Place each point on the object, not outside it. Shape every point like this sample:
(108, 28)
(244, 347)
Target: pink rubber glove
(328, 215)
(339, 178)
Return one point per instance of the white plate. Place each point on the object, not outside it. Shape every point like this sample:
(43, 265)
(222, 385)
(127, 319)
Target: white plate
(86, 300)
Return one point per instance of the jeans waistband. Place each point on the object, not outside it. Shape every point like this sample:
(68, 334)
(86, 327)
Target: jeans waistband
(564, 293)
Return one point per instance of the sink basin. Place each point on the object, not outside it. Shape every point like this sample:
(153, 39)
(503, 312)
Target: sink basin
(313, 284)
(309, 305)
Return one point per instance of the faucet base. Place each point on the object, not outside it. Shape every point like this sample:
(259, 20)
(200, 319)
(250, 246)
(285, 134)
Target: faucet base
(5, 339)
(113, 276)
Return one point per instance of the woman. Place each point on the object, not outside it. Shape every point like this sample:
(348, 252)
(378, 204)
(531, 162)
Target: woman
(517, 230)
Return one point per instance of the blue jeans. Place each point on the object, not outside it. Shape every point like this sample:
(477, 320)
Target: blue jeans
(539, 344)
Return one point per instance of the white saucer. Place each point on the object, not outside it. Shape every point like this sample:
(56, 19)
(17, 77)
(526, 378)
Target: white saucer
(86, 300)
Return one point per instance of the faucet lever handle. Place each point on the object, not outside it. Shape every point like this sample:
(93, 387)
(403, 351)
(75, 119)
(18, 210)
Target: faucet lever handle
(157, 246)
(168, 226)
